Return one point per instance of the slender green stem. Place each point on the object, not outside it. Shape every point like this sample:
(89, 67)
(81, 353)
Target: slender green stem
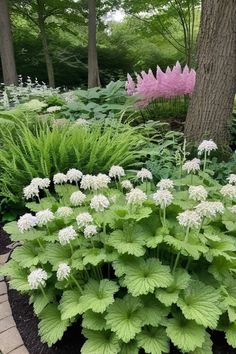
(205, 161)
(71, 248)
(178, 255)
(43, 292)
(164, 216)
(77, 284)
(40, 245)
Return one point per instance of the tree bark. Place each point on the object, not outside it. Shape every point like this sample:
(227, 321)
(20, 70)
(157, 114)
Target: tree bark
(6, 46)
(211, 105)
(43, 34)
(93, 69)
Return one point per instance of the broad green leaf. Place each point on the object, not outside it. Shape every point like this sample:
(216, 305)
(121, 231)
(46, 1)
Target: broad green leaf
(55, 254)
(65, 191)
(206, 348)
(45, 203)
(186, 335)
(201, 303)
(70, 305)
(124, 318)
(129, 348)
(230, 335)
(93, 320)
(192, 247)
(100, 342)
(121, 263)
(142, 278)
(153, 340)
(94, 256)
(40, 301)
(18, 276)
(124, 242)
(26, 255)
(152, 311)
(51, 326)
(98, 295)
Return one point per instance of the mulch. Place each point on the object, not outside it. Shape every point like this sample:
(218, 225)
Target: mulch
(72, 340)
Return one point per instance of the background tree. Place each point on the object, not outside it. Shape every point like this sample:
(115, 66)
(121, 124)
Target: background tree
(6, 46)
(211, 105)
(93, 69)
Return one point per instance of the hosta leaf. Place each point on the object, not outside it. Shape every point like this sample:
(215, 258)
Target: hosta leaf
(100, 342)
(143, 277)
(206, 347)
(129, 348)
(97, 296)
(186, 335)
(153, 340)
(200, 302)
(40, 301)
(124, 318)
(170, 295)
(152, 311)
(70, 304)
(51, 326)
(94, 256)
(55, 254)
(26, 255)
(125, 243)
(230, 335)
(94, 321)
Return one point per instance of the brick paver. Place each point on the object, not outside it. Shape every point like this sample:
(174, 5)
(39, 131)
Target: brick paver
(3, 288)
(3, 298)
(20, 350)
(4, 258)
(10, 340)
(6, 323)
(5, 310)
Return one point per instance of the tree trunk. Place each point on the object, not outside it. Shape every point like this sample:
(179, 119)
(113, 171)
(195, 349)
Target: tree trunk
(6, 46)
(211, 104)
(43, 34)
(93, 70)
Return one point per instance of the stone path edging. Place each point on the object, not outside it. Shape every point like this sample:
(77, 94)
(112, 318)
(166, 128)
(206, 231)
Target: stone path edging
(10, 338)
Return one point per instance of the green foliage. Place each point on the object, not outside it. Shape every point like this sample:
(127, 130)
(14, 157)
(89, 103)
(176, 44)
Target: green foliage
(143, 282)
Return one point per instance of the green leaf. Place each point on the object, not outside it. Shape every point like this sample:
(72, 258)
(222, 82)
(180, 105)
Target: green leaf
(94, 321)
(186, 335)
(192, 247)
(18, 276)
(170, 295)
(152, 311)
(70, 305)
(40, 301)
(26, 255)
(12, 229)
(124, 318)
(142, 278)
(206, 347)
(201, 303)
(127, 243)
(65, 191)
(97, 296)
(230, 335)
(94, 256)
(55, 254)
(51, 326)
(153, 340)
(121, 263)
(100, 342)
(45, 203)
(129, 348)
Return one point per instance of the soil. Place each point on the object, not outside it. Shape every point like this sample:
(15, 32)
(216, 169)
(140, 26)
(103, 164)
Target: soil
(73, 340)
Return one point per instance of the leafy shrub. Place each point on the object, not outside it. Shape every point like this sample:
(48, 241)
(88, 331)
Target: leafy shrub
(141, 269)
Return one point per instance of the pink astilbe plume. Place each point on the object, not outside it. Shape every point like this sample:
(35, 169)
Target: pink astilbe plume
(168, 84)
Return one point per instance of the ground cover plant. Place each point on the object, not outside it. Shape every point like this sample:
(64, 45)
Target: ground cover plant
(143, 265)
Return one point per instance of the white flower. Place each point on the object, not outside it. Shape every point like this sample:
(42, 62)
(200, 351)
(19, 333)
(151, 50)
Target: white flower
(74, 175)
(89, 182)
(192, 166)
(30, 191)
(90, 230)
(209, 209)
(66, 235)
(84, 219)
(233, 209)
(37, 278)
(126, 184)
(77, 198)
(44, 216)
(165, 183)
(197, 193)
(81, 121)
(228, 191)
(59, 178)
(63, 271)
(99, 202)
(136, 196)
(116, 172)
(207, 146)
(64, 212)
(26, 222)
(103, 180)
(41, 183)
(144, 174)
(189, 218)
(163, 198)
(232, 179)
(54, 109)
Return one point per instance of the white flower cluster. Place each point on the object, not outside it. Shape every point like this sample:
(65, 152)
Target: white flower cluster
(197, 193)
(77, 198)
(209, 209)
(63, 271)
(37, 278)
(192, 166)
(165, 183)
(233, 209)
(136, 197)
(126, 184)
(60, 178)
(81, 121)
(74, 175)
(144, 174)
(64, 212)
(53, 109)
(32, 190)
(66, 235)
(229, 191)
(90, 230)
(41, 183)
(206, 146)
(189, 219)
(95, 182)
(231, 179)
(44, 216)
(163, 198)
(26, 222)
(99, 203)
(84, 219)
(116, 172)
